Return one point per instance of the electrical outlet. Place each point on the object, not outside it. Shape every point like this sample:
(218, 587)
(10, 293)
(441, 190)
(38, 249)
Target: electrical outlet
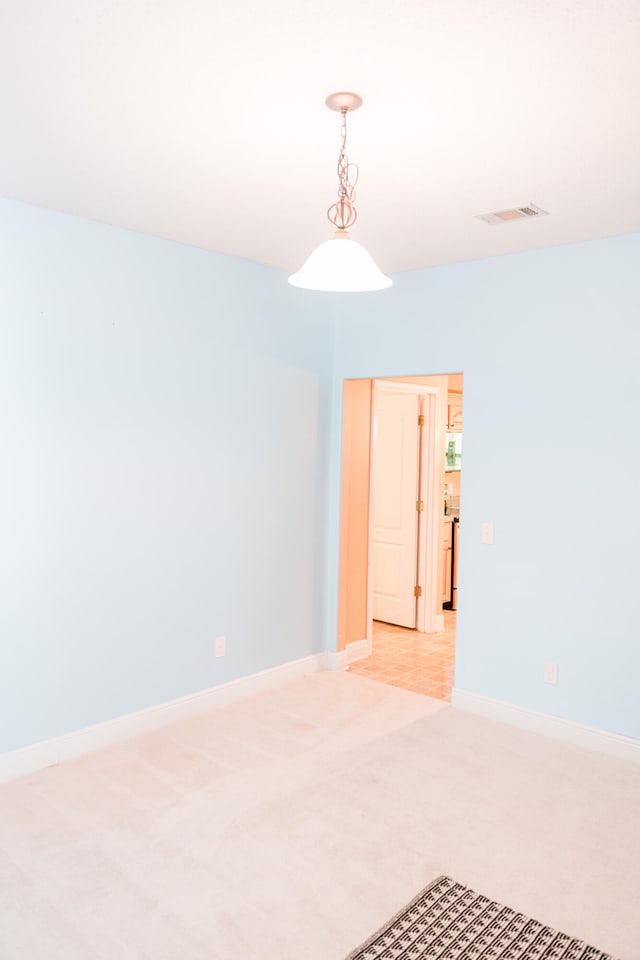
(486, 535)
(221, 646)
(551, 672)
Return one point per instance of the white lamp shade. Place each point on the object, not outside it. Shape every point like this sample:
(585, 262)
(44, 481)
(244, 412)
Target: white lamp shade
(340, 265)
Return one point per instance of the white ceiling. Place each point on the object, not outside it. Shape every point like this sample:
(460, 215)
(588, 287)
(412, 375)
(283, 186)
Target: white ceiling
(205, 122)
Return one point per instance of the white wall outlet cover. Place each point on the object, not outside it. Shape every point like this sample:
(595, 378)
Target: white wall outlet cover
(221, 646)
(486, 534)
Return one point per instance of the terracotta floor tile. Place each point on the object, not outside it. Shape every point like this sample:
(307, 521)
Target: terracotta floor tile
(421, 662)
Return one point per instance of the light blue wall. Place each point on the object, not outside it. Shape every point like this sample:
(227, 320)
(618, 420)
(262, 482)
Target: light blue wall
(549, 344)
(163, 430)
(170, 430)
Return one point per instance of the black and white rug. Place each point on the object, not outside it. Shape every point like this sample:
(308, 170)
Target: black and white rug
(447, 921)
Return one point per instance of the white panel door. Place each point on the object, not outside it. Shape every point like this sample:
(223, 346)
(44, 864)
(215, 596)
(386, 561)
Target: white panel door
(395, 523)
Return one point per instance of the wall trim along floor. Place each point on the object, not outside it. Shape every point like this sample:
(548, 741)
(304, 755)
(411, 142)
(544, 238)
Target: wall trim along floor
(357, 650)
(340, 660)
(614, 744)
(47, 753)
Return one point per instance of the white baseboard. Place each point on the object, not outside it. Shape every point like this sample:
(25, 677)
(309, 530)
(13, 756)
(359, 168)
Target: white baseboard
(337, 660)
(341, 659)
(49, 752)
(357, 650)
(614, 744)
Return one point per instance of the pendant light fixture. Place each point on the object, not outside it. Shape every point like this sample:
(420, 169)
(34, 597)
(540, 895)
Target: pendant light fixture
(341, 265)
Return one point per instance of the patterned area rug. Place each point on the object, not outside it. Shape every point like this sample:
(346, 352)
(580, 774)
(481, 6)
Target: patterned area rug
(452, 922)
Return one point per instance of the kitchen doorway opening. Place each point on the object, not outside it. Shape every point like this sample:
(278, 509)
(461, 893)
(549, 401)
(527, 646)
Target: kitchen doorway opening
(399, 532)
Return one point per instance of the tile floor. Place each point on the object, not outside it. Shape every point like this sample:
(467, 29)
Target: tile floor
(421, 662)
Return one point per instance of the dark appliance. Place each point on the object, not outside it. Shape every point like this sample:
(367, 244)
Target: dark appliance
(455, 539)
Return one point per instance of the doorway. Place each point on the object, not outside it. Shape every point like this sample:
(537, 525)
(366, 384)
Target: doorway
(388, 551)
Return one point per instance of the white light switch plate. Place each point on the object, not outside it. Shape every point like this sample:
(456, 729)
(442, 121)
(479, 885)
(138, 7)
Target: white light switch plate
(551, 672)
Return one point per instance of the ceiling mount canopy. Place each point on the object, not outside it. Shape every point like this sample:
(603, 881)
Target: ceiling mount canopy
(341, 264)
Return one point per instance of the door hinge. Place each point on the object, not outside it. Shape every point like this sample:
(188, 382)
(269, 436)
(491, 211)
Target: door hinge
(419, 505)
(417, 591)
(421, 419)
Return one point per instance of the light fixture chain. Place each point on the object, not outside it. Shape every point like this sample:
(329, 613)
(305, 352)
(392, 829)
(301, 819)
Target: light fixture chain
(343, 160)
(343, 214)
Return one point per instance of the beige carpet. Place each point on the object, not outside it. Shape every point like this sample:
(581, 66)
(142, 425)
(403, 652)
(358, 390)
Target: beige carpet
(291, 826)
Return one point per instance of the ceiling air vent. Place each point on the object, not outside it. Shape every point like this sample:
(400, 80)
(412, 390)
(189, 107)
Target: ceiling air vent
(516, 213)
